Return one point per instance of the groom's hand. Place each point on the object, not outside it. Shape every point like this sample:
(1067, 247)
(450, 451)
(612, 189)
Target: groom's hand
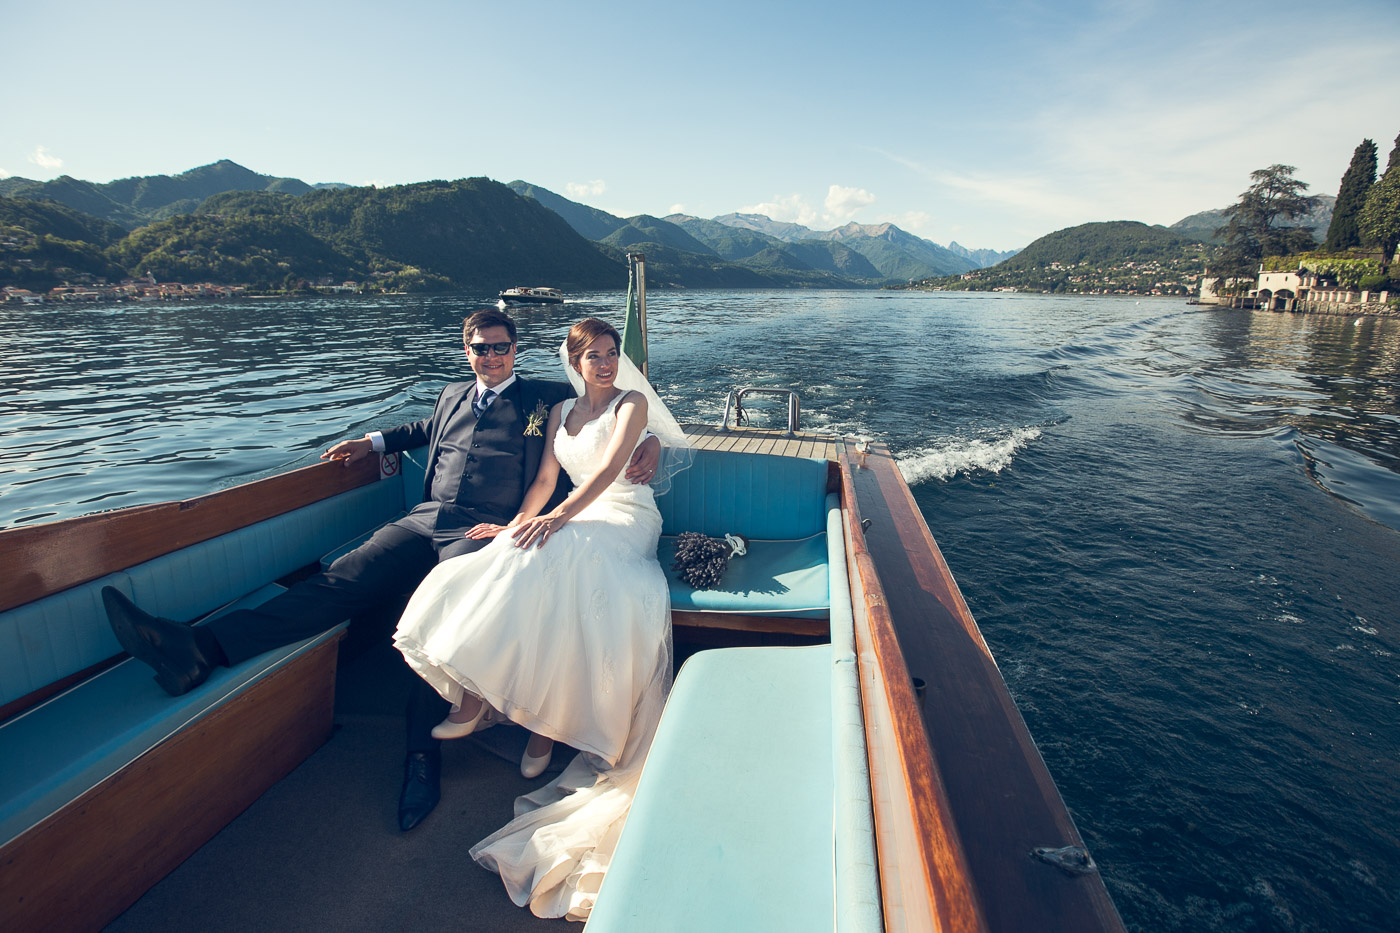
(350, 451)
(644, 460)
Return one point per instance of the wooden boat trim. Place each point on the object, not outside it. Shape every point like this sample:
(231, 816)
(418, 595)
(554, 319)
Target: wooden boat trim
(1001, 802)
(57, 555)
(740, 622)
(924, 879)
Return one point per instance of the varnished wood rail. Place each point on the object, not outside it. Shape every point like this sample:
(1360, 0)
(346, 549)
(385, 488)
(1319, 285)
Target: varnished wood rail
(979, 795)
(54, 556)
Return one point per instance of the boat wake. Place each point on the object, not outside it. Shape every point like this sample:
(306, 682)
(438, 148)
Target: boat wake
(952, 456)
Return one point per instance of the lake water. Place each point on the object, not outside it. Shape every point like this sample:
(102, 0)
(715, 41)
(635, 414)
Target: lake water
(1177, 527)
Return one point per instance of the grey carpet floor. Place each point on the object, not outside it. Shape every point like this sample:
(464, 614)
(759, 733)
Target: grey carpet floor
(322, 849)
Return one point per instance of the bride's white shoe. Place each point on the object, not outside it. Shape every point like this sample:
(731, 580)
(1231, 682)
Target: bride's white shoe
(447, 729)
(532, 767)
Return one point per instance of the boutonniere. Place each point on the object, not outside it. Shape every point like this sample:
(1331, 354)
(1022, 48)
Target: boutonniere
(535, 422)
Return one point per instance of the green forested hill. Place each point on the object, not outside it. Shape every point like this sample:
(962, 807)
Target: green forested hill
(43, 243)
(473, 232)
(132, 202)
(647, 229)
(470, 233)
(48, 218)
(1115, 256)
(265, 250)
(588, 221)
(1101, 244)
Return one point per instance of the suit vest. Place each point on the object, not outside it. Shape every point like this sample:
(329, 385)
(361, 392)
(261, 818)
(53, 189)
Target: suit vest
(480, 471)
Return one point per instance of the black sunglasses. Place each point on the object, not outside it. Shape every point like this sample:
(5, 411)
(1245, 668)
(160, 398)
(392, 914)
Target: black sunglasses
(500, 349)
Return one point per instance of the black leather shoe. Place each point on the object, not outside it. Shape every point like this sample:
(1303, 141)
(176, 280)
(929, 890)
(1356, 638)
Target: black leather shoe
(422, 788)
(168, 647)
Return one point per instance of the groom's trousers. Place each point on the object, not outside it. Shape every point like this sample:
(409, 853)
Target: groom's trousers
(386, 568)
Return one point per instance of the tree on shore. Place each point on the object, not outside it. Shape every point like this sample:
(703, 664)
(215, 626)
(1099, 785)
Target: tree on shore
(1379, 219)
(1257, 223)
(1342, 233)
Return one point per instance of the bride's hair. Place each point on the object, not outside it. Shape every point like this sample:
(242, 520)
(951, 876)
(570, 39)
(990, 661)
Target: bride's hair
(582, 335)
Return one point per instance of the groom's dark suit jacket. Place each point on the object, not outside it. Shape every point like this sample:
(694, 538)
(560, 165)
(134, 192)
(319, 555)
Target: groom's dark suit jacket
(477, 471)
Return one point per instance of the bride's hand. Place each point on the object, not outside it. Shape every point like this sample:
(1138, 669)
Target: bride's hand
(485, 530)
(535, 532)
(645, 459)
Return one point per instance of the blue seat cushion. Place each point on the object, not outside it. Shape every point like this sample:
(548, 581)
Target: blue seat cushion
(50, 638)
(195, 579)
(332, 556)
(732, 825)
(754, 495)
(773, 578)
(54, 752)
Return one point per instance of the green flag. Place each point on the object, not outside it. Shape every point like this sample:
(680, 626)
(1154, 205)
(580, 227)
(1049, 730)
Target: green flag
(633, 339)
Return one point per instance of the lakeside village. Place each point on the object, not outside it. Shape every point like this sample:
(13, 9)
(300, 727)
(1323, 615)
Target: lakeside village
(147, 288)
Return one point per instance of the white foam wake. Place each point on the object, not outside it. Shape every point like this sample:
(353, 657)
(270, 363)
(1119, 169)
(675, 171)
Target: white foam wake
(952, 456)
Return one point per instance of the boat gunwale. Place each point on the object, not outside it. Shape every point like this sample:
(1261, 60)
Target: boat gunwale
(907, 791)
(61, 554)
(1002, 800)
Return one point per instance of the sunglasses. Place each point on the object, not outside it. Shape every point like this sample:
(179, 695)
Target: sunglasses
(500, 349)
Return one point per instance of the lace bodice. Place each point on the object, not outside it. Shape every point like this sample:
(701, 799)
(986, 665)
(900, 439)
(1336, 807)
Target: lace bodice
(581, 454)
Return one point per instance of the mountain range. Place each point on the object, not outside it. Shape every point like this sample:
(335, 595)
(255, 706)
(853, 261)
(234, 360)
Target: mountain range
(792, 254)
(731, 251)
(135, 202)
(228, 224)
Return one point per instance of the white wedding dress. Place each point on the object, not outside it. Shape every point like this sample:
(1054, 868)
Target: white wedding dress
(571, 640)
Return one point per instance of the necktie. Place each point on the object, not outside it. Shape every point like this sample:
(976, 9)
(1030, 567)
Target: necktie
(483, 402)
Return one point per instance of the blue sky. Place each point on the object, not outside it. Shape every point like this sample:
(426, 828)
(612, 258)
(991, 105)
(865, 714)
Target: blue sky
(986, 123)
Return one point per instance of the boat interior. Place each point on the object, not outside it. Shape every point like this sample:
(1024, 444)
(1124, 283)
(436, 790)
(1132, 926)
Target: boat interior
(839, 750)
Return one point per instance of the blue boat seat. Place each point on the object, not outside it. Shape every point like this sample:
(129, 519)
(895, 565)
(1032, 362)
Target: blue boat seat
(731, 827)
(55, 752)
(753, 812)
(780, 505)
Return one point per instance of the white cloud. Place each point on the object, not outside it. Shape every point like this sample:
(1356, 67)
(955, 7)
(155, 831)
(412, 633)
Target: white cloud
(842, 204)
(790, 209)
(588, 189)
(677, 209)
(5, 173)
(916, 222)
(40, 157)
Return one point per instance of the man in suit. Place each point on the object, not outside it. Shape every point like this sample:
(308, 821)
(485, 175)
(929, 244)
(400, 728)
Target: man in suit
(484, 448)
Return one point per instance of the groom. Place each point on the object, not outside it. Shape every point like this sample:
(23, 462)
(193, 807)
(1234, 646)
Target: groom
(484, 450)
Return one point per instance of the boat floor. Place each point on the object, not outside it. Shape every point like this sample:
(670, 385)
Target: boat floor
(322, 848)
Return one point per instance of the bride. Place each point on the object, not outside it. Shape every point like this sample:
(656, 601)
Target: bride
(562, 625)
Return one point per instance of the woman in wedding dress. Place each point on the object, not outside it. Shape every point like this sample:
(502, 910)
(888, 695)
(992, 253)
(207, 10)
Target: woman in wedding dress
(562, 625)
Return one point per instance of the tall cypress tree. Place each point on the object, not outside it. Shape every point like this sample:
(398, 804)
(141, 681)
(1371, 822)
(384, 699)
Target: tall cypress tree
(1394, 154)
(1351, 197)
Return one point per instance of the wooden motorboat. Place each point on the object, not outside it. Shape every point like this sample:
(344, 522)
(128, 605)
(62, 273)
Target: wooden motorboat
(899, 755)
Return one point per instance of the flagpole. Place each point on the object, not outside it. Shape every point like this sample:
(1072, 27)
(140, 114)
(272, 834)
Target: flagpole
(639, 272)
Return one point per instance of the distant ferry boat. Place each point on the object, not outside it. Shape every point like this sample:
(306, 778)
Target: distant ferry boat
(532, 296)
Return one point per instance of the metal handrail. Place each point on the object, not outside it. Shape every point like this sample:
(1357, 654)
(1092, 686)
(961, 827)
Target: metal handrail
(735, 402)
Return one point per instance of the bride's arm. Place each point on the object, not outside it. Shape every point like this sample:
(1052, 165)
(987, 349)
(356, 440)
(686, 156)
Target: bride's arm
(537, 497)
(631, 422)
